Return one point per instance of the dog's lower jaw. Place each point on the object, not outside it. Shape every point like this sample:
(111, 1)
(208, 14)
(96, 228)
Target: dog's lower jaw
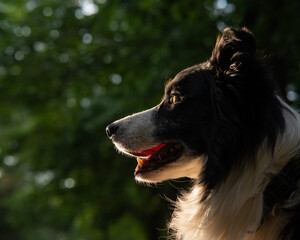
(184, 167)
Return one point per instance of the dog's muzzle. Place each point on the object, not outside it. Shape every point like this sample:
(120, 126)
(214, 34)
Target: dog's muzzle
(158, 159)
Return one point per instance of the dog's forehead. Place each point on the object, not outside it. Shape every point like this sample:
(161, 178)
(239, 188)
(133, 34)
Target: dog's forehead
(180, 79)
(188, 78)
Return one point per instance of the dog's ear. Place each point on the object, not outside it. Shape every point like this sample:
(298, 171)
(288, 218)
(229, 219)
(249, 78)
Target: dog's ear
(233, 49)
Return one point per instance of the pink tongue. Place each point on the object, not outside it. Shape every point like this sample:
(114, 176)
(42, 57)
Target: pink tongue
(151, 151)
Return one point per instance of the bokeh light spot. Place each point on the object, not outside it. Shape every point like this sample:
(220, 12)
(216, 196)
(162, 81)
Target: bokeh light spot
(87, 38)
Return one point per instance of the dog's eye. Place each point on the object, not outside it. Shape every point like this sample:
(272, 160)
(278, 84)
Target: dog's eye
(174, 99)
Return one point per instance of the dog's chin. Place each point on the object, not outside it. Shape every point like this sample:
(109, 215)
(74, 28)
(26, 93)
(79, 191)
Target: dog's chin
(167, 160)
(183, 167)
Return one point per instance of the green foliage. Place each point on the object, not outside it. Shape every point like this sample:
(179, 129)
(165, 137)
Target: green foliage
(69, 68)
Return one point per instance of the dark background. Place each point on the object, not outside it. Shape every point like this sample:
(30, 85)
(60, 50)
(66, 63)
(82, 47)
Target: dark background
(69, 68)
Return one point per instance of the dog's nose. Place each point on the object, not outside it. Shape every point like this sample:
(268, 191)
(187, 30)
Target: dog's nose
(111, 129)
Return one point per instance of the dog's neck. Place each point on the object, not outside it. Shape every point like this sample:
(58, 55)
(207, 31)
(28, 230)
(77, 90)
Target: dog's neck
(233, 211)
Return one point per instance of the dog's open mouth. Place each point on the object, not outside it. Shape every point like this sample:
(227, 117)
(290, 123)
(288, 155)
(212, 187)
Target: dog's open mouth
(155, 157)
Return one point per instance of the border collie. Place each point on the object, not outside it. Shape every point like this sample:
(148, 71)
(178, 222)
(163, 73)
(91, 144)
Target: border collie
(221, 124)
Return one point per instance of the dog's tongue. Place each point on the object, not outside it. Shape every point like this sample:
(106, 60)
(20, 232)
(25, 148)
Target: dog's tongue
(147, 153)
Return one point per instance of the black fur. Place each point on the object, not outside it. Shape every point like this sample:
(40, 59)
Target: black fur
(292, 231)
(230, 99)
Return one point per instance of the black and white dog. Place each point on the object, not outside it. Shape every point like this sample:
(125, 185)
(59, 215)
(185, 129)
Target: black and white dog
(222, 124)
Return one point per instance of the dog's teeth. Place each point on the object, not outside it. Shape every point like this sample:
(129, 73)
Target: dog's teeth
(140, 161)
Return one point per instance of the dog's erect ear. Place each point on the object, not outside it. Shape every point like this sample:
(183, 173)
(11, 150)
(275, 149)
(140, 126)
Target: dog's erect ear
(233, 49)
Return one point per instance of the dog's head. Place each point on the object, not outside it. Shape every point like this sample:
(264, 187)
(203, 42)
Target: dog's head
(211, 114)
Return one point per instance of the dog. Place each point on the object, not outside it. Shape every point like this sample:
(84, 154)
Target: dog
(222, 124)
